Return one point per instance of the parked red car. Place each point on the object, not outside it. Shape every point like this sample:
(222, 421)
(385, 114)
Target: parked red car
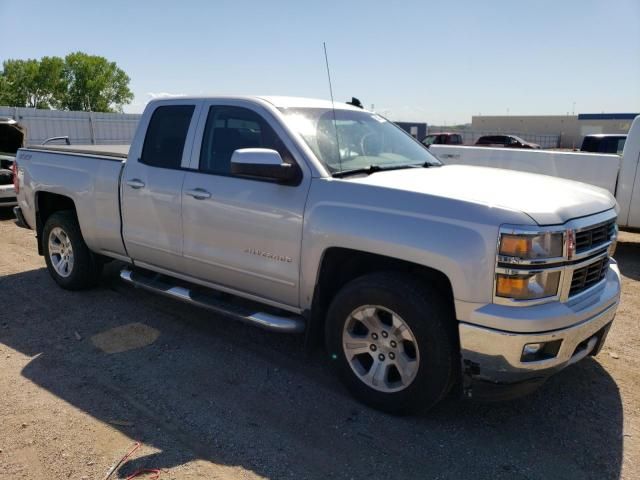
(442, 138)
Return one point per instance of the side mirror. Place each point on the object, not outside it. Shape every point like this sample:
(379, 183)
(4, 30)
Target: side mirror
(262, 163)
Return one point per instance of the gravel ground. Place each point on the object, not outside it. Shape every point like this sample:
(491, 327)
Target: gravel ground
(86, 374)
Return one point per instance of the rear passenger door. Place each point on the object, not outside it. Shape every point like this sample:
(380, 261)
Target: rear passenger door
(152, 187)
(240, 233)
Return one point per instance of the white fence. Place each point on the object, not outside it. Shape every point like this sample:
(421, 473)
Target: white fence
(82, 128)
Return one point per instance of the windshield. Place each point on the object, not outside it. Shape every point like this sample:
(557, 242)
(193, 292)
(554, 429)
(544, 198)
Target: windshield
(361, 139)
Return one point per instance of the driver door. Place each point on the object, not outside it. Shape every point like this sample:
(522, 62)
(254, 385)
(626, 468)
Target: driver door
(242, 233)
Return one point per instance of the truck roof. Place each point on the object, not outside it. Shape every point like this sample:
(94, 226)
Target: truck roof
(276, 101)
(301, 102)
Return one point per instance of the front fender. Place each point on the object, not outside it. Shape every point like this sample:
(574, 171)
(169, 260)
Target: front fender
(453, 237)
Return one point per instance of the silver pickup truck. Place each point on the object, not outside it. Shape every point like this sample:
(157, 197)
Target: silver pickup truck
(297, 215)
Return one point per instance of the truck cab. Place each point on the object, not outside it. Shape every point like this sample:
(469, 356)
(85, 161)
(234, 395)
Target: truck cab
(604, 143)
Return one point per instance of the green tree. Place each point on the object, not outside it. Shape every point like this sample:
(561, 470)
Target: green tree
(31, 83)
(94, 84)
(77, 82)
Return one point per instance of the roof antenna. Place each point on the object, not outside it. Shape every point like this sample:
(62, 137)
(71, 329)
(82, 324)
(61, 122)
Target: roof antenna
(333, 108)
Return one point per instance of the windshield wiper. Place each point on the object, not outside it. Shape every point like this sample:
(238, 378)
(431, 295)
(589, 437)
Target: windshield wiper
(366, 170)
(373, 169)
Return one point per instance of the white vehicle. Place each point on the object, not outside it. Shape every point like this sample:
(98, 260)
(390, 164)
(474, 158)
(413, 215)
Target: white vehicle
(615, 173)
(7, 192)
(11, 139)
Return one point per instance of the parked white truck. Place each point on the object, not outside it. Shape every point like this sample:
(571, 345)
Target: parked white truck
(294, 216)
(616, 173)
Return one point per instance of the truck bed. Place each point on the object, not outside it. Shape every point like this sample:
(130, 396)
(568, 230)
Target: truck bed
(597, 169)
(89, 175)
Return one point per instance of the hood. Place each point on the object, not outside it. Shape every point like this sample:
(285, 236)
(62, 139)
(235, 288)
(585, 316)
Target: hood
(547, 200)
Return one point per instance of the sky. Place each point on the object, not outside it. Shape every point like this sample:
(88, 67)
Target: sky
(416, 60)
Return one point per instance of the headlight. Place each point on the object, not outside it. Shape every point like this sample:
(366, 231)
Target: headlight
(529, 286)
(532, 246)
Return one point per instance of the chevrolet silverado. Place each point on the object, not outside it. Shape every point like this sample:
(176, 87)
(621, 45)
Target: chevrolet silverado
(299, 215)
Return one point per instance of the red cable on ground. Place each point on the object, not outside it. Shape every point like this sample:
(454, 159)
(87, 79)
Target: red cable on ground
(155, 471)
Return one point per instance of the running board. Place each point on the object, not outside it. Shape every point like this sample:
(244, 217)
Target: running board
(160, 284)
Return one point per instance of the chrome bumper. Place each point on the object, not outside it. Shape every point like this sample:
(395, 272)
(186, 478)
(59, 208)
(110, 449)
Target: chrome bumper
(7, 196)
(495, 356)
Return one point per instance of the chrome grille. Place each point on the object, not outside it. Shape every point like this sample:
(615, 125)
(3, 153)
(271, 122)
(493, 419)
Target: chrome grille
(595, 236)
(588, 276)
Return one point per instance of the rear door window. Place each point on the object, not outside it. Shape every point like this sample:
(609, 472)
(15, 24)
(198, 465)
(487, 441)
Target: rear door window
(166, 135)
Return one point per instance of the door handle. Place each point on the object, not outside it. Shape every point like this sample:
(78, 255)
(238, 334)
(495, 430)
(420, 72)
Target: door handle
(198, 194)
(135, 183)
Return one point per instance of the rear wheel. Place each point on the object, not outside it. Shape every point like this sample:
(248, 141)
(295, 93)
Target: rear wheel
(69, 261)
(392, 342)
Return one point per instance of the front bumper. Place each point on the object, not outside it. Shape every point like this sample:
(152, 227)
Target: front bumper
(492, 358)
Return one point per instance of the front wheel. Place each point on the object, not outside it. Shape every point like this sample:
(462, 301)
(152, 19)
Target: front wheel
(69, 261)
(392, 342)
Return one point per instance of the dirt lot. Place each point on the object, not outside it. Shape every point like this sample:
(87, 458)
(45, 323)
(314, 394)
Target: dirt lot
(85, 375)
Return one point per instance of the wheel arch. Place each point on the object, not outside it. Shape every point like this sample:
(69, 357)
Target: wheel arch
(339, 266)
(46, 204)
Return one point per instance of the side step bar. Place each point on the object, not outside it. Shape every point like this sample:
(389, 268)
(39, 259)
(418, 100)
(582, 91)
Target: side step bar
(160, 284)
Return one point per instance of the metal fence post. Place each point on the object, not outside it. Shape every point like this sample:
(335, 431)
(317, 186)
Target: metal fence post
(92, 129)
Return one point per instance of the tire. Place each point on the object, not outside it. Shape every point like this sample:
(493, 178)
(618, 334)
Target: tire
(430, 362)
(61, 237)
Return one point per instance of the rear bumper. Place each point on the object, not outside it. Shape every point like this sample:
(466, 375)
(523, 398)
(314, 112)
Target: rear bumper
(7, 196)
(493, 365)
